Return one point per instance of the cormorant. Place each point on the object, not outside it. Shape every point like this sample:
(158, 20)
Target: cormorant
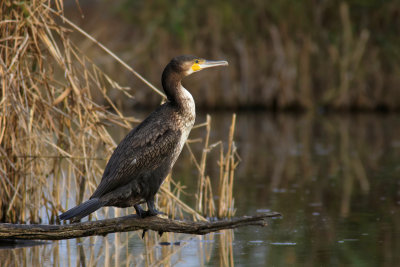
(143, 159)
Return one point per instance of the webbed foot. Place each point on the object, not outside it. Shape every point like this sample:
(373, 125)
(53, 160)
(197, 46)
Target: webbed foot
(152, 211)
(139, 211)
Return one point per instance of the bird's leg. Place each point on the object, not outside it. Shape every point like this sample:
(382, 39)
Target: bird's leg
(152, 211)
(139, 211)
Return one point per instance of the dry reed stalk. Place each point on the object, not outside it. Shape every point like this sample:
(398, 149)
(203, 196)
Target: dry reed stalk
(209, 205)
(172, 208)
(201, 180)
(183, 206)
(228, 165)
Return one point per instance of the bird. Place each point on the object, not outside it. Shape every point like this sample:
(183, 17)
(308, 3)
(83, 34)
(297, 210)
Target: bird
(143, 159)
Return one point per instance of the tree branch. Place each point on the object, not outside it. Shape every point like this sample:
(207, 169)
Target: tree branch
(125, 224)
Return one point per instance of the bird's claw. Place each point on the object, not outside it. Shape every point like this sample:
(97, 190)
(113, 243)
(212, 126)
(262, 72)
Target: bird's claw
(148, 213)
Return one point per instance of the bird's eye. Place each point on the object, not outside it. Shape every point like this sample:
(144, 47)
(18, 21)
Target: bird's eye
(196, 61)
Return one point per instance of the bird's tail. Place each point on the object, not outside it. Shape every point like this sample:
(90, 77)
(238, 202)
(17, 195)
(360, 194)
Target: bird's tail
(83, 209)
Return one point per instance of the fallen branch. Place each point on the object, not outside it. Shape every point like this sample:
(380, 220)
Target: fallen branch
(125, 224)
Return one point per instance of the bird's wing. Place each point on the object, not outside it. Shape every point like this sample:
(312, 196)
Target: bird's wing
(145, 148)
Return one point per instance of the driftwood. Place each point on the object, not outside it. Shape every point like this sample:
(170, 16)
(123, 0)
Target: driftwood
(124, 224)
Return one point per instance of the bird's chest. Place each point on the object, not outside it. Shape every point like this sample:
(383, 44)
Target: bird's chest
(187, 116)
(186, 126)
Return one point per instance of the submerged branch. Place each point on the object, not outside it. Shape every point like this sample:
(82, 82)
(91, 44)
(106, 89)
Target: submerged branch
(125, 224)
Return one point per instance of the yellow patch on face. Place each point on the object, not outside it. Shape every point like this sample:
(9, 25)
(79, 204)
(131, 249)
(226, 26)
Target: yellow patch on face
(196, 67)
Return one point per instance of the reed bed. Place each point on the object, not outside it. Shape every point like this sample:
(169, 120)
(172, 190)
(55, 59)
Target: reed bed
(341, 55)
(228, 161)
(54, 141)
(50, 126)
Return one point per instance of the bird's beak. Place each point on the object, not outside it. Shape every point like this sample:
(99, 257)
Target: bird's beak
(213, 63)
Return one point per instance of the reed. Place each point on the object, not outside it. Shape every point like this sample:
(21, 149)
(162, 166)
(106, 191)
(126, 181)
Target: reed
(228, 164)
(228, 161)
(54, 140)
(49, 123)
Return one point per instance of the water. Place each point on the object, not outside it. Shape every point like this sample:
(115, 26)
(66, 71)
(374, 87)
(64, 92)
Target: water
(335, 179)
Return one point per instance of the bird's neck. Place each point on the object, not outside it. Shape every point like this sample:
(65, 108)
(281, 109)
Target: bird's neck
(186, 103)
(177, 94)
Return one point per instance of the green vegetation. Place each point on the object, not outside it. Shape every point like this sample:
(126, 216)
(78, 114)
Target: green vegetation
(282, 54)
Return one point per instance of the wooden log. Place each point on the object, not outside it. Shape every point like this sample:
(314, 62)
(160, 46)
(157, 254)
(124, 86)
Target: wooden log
(124, 224)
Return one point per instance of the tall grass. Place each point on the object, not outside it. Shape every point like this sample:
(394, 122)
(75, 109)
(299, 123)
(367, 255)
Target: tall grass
(54, 141)
(50, 126)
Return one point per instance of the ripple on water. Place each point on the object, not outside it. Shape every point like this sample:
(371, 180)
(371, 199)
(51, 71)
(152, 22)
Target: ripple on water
(256, 241)
(283, 243)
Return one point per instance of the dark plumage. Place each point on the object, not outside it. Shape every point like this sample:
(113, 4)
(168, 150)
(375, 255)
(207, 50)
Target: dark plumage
(146, 155)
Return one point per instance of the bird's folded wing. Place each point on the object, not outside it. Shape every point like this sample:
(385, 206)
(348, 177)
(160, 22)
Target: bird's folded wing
(143, 149)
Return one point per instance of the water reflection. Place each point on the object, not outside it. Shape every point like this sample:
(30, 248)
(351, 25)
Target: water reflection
(127, 249)
(336, 180)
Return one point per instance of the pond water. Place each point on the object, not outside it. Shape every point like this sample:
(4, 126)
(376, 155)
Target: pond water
(335, 179)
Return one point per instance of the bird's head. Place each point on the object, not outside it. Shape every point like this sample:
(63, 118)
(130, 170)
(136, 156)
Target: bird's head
(186, 65)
